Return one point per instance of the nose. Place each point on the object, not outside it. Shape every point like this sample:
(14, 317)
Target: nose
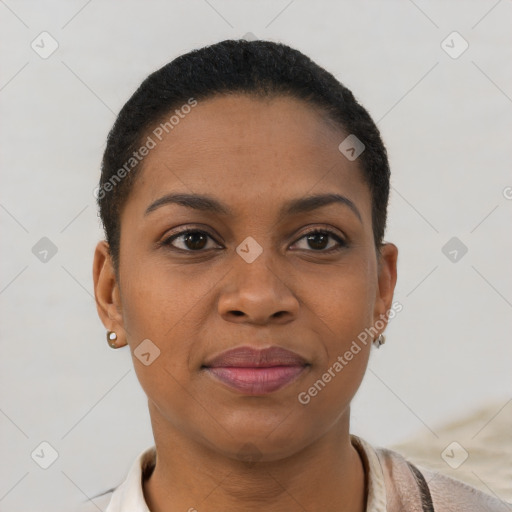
(257, 294)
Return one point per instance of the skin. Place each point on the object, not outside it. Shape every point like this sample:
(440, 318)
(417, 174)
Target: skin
(252, 155)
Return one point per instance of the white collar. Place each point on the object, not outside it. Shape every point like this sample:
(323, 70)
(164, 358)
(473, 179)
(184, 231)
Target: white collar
(376, 493)
(129, 496)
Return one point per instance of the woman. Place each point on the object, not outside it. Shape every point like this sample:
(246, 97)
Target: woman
(243, 195)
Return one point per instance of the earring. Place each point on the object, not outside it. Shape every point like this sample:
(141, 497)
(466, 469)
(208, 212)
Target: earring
(112, 338)
(380, 340)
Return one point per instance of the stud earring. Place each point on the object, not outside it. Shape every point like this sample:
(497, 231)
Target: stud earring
(112, 338)
(380, 340)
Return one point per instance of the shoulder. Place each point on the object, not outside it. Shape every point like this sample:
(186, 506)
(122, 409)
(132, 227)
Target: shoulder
(405, 479)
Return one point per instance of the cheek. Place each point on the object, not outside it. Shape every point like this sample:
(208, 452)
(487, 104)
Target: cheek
(342, 307)
(158, 305)
(160, 301)
(339, 313)
(346, 310)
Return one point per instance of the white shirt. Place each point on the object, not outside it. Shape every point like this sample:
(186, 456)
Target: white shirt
(129, 496)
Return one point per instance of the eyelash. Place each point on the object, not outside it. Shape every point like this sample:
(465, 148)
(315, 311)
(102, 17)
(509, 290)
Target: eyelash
(341, 243)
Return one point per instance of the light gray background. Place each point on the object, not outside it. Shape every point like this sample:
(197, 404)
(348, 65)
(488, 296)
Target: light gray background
(446, 123)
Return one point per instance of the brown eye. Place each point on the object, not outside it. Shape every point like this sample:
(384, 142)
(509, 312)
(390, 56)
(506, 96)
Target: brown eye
(318, 240)
(190, 240)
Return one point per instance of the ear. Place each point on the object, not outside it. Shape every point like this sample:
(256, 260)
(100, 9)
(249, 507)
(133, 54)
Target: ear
(387, 258)
(106, 292)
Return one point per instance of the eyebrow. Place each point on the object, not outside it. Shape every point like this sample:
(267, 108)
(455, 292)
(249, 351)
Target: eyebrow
(292, 207)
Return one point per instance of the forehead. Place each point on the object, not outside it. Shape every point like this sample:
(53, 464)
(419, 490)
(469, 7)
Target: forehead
(248, 150)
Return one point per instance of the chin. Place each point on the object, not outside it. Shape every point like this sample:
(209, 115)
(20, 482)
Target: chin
(256, 441)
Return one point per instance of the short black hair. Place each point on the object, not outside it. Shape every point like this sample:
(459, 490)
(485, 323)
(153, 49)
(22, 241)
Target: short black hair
(259, 68)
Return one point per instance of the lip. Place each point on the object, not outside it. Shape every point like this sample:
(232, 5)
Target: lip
(256, 371)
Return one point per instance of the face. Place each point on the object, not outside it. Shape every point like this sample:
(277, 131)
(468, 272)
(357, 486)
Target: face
(255, 263)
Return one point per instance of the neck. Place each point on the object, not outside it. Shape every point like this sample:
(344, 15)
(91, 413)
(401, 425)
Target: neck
(325, 475)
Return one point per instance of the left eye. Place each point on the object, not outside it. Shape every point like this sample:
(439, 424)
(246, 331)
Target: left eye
(318, 240)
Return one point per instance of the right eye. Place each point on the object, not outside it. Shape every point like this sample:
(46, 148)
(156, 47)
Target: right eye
(192, 240)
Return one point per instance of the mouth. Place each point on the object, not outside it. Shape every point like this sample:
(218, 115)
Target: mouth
(256, 372)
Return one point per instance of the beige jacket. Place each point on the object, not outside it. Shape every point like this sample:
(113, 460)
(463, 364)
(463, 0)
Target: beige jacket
(394, 485)
(414, 488)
